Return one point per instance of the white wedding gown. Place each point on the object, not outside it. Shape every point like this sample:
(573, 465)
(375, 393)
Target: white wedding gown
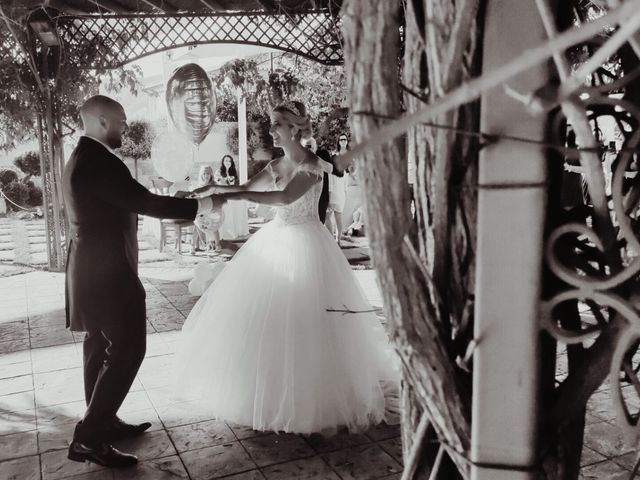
(263, 346)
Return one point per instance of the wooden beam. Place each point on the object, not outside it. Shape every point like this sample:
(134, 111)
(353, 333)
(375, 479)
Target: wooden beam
(161, 5)
(65, 7)
(269, 5)
(213, 5)
(112, 6)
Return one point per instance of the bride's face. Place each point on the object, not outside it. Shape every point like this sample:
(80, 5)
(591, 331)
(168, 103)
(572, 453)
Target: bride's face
(281, 130)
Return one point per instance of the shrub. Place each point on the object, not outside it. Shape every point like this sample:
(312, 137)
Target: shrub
(29, 163)
(7, 176)
(18, 193)
(253, 140)
(35, 194)
(227, 110)
(136, 141)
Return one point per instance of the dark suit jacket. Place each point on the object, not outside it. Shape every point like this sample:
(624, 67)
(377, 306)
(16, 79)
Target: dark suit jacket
(102, 202)
(323, 204)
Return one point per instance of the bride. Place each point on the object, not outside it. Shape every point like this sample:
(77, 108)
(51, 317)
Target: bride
(284, 339)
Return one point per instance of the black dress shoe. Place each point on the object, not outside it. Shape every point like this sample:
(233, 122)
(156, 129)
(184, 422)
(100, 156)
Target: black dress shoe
(102, 454)
(120, 430)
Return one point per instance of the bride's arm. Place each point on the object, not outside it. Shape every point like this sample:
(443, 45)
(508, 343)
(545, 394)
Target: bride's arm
(260, 181)
(295, 189)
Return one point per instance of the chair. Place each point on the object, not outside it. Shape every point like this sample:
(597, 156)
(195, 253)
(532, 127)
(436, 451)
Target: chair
(161, 187)
(178, 227)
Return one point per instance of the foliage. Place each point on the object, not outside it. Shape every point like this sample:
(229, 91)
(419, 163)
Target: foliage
(239, 73)
(321, 88)
(7, 176)
(28, 163)
(136, 141)
(22, 100)
(34, 198)
(253, 140)
(17, 192)
(226, 109)
(282, 84)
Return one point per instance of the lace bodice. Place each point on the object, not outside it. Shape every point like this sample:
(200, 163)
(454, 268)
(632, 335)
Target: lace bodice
(305, 208)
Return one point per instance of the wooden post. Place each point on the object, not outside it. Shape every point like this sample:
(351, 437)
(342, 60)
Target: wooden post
(242, 136)
(51, 173)
(46, 185)
(511, 214)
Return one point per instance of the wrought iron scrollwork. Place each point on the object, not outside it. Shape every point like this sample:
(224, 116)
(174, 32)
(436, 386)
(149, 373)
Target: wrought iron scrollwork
(604, 273)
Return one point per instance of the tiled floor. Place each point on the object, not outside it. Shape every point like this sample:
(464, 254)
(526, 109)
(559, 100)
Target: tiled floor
(23, 243)
(41, 399)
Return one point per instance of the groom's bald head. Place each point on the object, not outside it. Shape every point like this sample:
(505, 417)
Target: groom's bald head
(104, 119)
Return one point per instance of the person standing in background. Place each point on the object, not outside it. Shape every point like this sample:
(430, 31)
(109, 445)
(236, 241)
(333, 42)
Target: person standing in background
(234, 224)
(211, 238)
(226, 174)
(337, 194)
(323, 204)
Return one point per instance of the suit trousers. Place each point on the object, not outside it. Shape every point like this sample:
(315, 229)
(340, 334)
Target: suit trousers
(112, 357)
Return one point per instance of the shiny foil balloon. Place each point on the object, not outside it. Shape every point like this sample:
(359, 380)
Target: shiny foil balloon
(191, 101)
(172, 156)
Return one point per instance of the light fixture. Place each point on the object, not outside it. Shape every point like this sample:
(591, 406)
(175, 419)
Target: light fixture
(46, 32)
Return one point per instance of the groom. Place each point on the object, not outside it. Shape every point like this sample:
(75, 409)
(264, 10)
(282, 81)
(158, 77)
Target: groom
(104, 296)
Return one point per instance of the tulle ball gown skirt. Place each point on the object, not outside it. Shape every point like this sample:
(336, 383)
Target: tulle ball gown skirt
(285, 340)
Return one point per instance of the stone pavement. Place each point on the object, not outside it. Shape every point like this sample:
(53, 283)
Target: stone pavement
(23, 247)
(41, 395)
(41, 399)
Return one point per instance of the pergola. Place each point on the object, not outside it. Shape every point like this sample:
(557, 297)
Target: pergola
(105, 34)
(505, 274)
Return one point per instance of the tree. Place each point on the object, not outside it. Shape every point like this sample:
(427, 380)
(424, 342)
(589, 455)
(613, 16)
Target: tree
(7, 176)
(34, 198)
(29, 164)
(18, 193)
(253, 140)
(426, 265)
(136, 143)
(321, 88)
(20, 96)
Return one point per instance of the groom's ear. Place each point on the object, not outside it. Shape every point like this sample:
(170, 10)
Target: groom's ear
(104, 123)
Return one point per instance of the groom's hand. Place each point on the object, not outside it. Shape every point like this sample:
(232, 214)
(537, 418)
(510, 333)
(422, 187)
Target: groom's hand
(181, 194)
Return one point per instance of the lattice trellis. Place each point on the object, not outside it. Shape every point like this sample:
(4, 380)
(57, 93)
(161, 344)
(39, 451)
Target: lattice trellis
(114, 40)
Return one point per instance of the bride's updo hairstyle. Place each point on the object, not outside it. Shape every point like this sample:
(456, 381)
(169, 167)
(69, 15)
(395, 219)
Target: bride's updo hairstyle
(296, 113)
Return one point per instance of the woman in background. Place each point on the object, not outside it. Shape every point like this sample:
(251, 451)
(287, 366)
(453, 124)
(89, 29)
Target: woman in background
(354, 205)
(211, 237)
(337, 194)
(235, 220)
(226, 174)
